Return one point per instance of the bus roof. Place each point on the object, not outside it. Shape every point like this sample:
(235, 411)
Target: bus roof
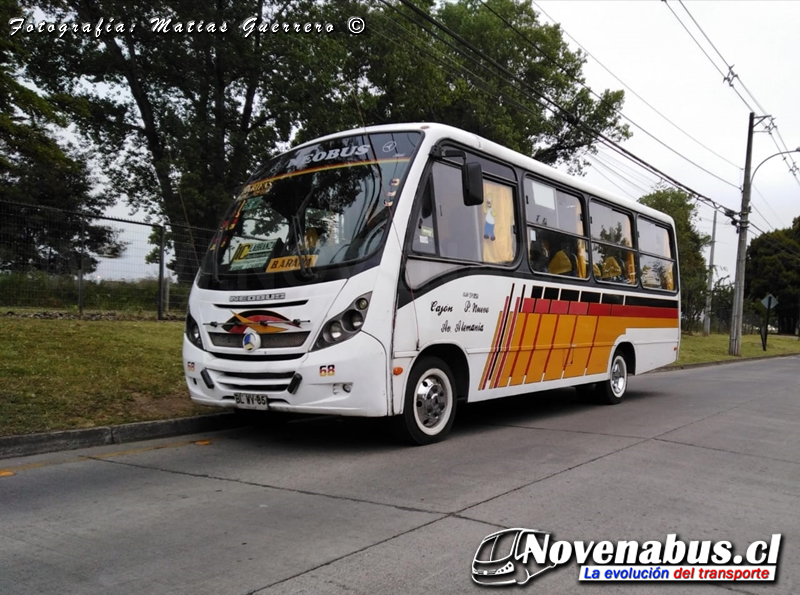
(435, 132)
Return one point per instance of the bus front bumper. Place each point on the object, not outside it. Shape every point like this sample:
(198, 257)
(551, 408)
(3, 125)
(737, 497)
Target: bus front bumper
(346, 379)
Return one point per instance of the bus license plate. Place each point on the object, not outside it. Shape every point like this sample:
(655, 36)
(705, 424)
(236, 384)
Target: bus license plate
(251, 401)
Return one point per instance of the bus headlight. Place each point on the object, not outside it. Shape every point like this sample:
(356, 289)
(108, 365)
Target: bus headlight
(193, 331)
(334, 331)
(345, 324)
(353, 320)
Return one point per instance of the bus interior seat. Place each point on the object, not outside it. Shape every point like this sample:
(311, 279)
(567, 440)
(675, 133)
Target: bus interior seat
(561, 264)
(612, 270)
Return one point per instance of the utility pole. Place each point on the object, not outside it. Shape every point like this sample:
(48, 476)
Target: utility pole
(707, 321)
(734, 348)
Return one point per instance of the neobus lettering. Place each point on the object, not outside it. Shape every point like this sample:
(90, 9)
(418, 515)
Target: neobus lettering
(342, 153)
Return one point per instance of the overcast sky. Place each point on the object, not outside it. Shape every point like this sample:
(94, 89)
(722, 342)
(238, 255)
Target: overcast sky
(643, 44)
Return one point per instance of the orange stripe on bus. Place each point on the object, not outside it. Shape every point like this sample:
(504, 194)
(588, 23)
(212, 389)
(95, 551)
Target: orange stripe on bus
(544, 342)
(528, 343)
(561, 345)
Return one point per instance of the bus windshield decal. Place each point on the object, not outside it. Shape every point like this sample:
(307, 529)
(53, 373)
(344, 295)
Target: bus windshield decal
(264, 186)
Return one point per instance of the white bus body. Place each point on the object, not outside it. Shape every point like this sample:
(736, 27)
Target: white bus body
(408, 300)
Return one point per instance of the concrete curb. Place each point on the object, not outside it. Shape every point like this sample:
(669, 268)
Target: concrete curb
(31, 444)
(676, 368)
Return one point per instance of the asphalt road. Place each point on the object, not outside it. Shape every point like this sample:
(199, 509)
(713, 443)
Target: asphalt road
(337, 506)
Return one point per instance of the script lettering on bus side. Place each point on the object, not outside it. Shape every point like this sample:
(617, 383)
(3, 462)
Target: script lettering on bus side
(475, 308)
(440, 309)
(463, 327)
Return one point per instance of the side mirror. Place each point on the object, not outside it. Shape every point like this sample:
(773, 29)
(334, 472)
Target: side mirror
(472, 182)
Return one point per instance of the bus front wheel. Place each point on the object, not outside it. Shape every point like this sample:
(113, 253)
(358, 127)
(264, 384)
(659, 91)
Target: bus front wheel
(613, 390)
(430, 402)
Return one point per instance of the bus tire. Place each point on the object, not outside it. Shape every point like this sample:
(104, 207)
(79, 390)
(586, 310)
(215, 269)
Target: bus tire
(430, 402)
(612, 390)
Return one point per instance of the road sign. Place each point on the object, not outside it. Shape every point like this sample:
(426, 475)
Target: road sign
(770, 301)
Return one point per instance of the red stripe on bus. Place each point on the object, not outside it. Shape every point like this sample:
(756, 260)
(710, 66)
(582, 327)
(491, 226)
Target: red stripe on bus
(578, 308)
(600, 309)
(527, 305)
(559, 307)
(644, 312)
(499, 371)
(542, 306)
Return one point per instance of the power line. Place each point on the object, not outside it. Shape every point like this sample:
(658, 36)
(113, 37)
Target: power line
(615, 168)
(560, 110)
(640, 176)
(634, 93)
(619, 112)
(600, 173)
(730, 77)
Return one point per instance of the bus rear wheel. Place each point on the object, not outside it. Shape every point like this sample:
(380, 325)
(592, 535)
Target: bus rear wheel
(430, 402)
(612, 391)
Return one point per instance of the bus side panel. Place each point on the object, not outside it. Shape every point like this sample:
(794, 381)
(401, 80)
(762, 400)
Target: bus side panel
(516, 344)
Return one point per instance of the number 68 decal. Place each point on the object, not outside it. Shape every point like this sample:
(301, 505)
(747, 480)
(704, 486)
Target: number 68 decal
(327, 370)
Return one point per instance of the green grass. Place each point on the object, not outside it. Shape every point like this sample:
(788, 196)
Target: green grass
(67, 374)
(59, 374)
(696, 349)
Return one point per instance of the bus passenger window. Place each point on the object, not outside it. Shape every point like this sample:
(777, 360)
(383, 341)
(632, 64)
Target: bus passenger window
(656, 258)
(613, 257)
(556, 231)
(557, 254)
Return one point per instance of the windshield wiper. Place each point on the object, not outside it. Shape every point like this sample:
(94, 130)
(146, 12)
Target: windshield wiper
(300, 247)
(299, 243)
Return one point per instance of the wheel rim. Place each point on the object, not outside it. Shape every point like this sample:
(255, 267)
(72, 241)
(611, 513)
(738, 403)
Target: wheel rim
(433, 401)
(618, 377)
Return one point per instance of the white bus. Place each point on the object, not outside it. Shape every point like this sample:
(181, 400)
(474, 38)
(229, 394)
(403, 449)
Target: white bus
(398, 270)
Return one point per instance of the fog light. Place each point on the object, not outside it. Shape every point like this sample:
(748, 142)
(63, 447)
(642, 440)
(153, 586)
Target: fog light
(347, 387)
(207, 378)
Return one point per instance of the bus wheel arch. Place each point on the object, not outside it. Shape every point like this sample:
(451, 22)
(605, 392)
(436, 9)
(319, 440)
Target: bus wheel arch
(435, 383)
(622, 365)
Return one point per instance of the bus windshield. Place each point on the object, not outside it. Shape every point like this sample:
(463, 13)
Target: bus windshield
(320, 205)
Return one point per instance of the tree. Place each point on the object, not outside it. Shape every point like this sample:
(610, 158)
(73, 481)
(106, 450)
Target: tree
(773, 266)
(693, 268)
(410, 71)
(182, 117)
(37, 169)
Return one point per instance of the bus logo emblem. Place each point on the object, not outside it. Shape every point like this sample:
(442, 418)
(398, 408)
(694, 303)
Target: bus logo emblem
(251, 340)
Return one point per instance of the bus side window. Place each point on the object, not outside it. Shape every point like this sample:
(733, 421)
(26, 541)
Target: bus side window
(424, 240)
(448, 228)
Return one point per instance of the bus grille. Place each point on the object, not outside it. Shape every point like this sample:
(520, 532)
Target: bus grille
(268, 340)
(274, 382)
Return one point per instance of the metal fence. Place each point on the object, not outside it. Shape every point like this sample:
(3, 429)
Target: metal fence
(58, 260)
